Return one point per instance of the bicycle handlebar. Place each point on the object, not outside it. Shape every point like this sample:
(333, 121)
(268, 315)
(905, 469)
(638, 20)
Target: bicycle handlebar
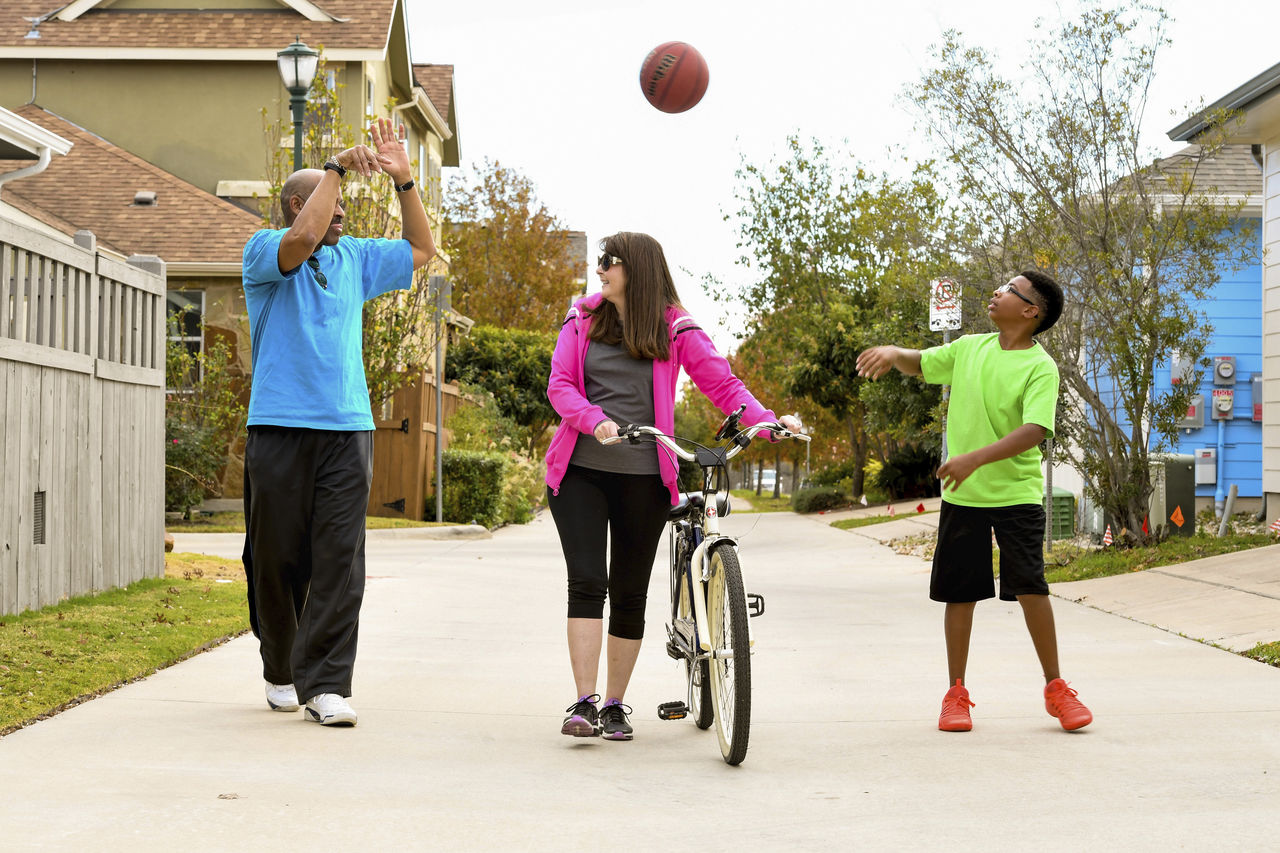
(632, 433)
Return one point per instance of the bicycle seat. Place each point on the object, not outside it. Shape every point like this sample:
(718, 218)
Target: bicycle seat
(688, 500)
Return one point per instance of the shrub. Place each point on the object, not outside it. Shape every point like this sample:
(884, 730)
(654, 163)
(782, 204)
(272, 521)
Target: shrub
(473, 486)
(832, 475)
(909, 473)
(483, 428)
(202, 417)
(818, 498)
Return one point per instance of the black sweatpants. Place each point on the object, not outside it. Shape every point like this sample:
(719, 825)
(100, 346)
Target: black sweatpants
(305, 496)
(631, 508)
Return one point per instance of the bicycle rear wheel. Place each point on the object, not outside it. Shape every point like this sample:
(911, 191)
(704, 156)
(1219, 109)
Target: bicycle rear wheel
(696, 673)
(731, 666)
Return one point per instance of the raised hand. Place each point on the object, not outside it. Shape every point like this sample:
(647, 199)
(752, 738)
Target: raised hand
(360, 159)
(392, 156)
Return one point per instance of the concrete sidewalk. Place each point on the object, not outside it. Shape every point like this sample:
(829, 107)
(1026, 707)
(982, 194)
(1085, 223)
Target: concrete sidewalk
(463, 678)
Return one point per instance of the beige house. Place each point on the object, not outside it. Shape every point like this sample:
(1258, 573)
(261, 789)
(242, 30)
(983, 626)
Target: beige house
(170, 103)
(184, 86)
(1258, 100)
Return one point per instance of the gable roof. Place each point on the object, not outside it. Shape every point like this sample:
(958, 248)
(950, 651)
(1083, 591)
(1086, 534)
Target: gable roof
(186, 225)
(352, 25)
(1255, 97)
(1232, 171)
(436, 81)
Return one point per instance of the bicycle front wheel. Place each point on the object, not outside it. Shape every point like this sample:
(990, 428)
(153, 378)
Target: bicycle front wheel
(731, 646)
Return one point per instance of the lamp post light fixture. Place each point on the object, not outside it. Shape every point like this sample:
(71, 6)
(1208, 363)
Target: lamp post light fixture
(297, 64)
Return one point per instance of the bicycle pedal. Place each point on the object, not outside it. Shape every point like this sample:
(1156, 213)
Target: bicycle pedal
(673, 651)
(673, 711)
(755, 604)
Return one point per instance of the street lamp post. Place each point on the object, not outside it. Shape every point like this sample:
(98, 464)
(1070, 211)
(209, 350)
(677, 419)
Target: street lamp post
(297, 64)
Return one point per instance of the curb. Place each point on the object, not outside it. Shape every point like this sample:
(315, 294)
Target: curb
(455, 531)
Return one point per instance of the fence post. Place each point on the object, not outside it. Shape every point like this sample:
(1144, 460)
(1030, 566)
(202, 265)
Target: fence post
(442, 290)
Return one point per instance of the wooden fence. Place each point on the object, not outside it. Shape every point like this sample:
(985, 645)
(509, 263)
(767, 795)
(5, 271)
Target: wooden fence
(82, 349)
(404, 448)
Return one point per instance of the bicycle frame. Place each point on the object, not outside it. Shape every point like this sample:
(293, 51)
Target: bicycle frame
(710, 459)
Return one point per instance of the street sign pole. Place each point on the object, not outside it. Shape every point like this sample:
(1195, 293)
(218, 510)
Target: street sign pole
(944, 316)
(439, 287)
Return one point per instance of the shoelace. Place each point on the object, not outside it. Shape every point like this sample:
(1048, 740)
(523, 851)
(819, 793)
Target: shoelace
(588, 701)
(1065, 698)
(615, 713)
(957, 703)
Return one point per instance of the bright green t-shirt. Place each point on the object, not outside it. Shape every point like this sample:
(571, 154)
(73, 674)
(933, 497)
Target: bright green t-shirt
(993, 392)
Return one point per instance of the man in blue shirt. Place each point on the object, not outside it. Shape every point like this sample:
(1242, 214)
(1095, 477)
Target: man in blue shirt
(309, 452)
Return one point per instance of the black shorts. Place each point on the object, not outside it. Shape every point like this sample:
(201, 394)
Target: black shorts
(962, 559)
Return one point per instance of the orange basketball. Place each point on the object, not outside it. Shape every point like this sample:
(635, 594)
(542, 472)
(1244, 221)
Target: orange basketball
(674, 77)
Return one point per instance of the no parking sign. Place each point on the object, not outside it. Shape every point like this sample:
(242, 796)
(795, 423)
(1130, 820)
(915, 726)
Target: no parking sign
(944, 305)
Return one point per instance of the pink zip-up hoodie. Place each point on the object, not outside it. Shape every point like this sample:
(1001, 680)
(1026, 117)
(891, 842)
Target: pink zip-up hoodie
(690, 349)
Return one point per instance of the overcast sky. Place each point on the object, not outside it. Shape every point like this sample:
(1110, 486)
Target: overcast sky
(551, 88)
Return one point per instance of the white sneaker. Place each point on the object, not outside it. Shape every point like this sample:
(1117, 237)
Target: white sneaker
(330, 709)
(282, 697)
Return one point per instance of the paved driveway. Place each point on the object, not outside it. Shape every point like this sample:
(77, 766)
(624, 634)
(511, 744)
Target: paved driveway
(463, 676)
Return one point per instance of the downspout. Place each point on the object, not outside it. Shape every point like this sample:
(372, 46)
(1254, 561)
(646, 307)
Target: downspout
(1219, 497)
(46, 154)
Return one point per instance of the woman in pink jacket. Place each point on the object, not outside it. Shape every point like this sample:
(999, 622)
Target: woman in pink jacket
(617, 360)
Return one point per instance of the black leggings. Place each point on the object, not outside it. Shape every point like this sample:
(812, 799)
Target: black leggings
(631, 507)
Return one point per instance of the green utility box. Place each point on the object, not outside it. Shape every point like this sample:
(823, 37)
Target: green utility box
(1063, 514)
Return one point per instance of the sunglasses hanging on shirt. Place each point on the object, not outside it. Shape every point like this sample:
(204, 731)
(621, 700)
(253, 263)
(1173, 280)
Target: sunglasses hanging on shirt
(314, 263)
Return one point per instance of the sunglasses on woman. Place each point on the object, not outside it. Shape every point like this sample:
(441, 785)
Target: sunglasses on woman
(606, 261)
(1009, 288)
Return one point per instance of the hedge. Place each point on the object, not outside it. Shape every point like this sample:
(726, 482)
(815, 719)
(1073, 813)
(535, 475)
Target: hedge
(818, 498)
(473, 482)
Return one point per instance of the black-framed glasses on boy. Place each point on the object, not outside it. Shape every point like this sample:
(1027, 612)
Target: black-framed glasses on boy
(1009, 288)
(314, 263)
(606, 261)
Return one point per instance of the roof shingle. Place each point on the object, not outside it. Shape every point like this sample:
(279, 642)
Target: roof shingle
(186, 225)
(367, 25)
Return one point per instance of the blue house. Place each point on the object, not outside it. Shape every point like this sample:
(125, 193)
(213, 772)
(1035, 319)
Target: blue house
(1224, 432)
(1229, 448)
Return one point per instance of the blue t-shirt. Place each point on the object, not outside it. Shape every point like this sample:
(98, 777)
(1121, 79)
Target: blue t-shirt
(308, 368)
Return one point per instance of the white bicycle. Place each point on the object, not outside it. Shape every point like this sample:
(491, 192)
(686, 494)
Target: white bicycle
(709, 605)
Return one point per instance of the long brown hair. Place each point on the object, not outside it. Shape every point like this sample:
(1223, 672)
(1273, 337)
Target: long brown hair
(648, 293)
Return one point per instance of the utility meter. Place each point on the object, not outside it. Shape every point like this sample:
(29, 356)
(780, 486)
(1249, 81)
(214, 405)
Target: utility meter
(1180, 369)
(1224, 370)
(1195, 413)
(1224, 402)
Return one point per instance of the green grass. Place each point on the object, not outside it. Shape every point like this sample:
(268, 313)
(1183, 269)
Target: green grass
(1070, 563)
(764, 502)
(233, 522)
(57, 657)
(1268, 653)
(850, 523)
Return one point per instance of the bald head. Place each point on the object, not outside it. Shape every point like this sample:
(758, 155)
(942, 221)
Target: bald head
(299, 185)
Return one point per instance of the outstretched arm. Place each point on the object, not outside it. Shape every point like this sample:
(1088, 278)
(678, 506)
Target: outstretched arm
(877, 361)
(395, 162)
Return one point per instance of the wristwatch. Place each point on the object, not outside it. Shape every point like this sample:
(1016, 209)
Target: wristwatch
(405, 187)
(333, 165)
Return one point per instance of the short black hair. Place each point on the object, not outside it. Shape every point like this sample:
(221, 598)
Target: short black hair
(1050, 298)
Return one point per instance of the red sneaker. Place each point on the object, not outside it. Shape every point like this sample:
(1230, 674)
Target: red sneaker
(955, 710)
(1061, 702)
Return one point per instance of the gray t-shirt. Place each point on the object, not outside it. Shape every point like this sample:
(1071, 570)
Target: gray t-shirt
(623, 387)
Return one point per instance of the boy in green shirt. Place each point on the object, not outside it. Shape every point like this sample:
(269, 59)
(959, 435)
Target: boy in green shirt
(1004, 389)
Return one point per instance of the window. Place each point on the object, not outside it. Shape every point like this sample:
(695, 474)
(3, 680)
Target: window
(369, 108)
(184, 310)
(434, 187)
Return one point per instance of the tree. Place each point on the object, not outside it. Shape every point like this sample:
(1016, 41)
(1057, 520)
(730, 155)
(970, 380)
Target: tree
(399, 329)
(1049, 172)
(514, 366)
(840, 255)
(510, 257)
